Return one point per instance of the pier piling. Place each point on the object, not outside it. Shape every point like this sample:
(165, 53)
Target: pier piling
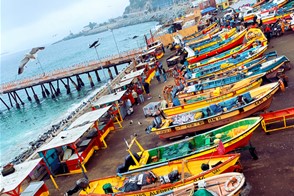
(46, 90)
(97, 76)
(58, 89)
(91, 81)
(75, 85)
(51, 90)
(115, 69)
(4, 103)
(17, 97)
(29, 98)
(67, 87)
(35, 95)
(110, 74)
(10, 99)
(43, 91)
(15, 100)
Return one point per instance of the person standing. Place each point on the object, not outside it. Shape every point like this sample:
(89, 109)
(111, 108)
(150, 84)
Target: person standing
(157, 75)
(267, 32)
(164, 75)
(140, 94)
(147, 90)
(135, 95)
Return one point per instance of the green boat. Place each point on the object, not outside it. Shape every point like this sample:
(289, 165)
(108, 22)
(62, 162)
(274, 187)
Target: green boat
(234, 135)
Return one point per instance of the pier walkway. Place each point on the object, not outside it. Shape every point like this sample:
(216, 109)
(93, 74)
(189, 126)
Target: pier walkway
(11, 88)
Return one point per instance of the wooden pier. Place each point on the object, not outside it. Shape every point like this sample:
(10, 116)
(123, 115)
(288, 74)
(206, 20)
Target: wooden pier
(66, 76)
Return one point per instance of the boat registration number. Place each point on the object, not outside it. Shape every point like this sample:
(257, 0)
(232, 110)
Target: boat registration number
(187, 126)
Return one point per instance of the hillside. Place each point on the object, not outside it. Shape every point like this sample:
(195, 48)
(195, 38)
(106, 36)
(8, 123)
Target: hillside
(150, 5)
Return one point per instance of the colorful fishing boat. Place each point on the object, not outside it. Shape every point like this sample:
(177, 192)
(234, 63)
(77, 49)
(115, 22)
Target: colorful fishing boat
(235, 40)
(233, 136)
(245, 58)
(253, 36)
(213, 32)
(222, 56)
(216, 115)
(227, 184)
(162, 178)
(199, 33)
(214, 95)
(238, 68)
(200, 45)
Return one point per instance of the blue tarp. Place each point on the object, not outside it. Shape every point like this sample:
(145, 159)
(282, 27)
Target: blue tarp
(209, 9)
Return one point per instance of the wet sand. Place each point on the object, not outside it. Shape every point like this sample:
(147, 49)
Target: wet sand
(271, 174)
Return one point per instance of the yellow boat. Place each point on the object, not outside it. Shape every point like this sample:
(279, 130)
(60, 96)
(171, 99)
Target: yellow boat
(204, 31)
(199, 45)
(215, 95)
(164, 177)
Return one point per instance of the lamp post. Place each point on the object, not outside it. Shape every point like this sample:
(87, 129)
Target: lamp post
(94, 45)
(115, 42)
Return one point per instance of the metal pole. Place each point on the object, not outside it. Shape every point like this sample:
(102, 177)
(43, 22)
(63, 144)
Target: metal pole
(102, 70)
(41, 66)
(115, 42)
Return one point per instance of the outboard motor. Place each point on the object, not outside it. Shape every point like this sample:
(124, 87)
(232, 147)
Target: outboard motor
(81, 184)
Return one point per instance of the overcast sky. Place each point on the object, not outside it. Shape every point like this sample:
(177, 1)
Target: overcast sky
(30, 23)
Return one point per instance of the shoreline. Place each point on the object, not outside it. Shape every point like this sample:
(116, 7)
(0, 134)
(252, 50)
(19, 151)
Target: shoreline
(31, 152)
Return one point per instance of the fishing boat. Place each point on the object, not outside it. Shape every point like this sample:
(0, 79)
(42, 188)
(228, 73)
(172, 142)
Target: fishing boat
(215, 115)
(163, 177)
(213, 32)
(260, 65)
(253, 36)
(200, 45)
(233, 136)
(199, 33)
(246, 57)
(227, 184)
(214, 95)
(235, 40)
(217, 72)
(222, 56)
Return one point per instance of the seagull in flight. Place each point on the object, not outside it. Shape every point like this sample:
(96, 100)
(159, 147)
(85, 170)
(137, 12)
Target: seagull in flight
(28, 57)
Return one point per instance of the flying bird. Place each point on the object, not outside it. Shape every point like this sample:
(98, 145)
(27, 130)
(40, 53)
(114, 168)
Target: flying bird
(94, 44)
(131, 122)
(26, 59)
(139, 123)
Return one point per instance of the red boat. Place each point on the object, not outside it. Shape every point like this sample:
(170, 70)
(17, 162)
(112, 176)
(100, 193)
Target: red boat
(227, 44)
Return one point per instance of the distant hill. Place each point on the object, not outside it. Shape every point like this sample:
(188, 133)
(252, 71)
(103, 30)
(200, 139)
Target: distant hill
(150, 5)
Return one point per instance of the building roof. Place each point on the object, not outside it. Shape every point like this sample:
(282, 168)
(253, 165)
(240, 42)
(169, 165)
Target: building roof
(22, 170)
(206, 10)
(121, 84)
(89, 117)
(132, 75)
(109, 98)
(66, 137)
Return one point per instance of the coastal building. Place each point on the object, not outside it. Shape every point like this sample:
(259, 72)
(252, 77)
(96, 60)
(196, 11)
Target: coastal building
(166, 36)
(222, 4)
(203, 4)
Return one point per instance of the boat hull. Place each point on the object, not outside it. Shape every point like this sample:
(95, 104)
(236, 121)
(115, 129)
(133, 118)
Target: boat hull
(207, 102)
(257, 105)
(228, 165)
(227, 46)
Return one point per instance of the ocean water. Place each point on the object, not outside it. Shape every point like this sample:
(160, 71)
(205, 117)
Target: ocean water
(18, 127)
